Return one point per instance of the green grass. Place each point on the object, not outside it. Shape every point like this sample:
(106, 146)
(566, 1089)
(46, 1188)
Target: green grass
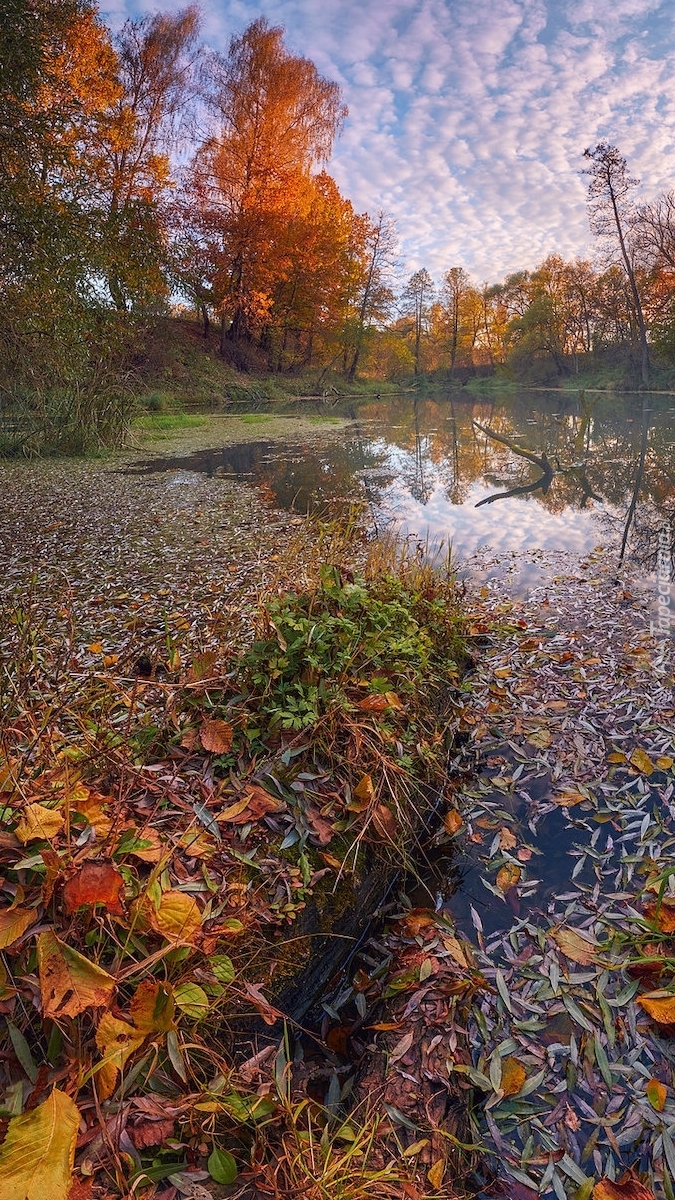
(166, 422)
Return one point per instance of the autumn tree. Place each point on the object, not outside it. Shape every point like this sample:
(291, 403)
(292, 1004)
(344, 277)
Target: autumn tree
(374, 249)
(458, 312)
(275, 120)
(610, 213)
(415, 302)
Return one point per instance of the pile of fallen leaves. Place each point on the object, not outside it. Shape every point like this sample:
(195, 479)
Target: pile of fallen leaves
(163, 830)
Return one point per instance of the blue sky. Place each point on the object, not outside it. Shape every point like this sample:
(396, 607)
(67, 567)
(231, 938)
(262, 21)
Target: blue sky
(468, 118)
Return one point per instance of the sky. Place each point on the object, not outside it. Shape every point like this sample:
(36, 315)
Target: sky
(469, 118)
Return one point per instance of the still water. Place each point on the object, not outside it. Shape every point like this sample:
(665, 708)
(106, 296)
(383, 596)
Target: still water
(572, 471)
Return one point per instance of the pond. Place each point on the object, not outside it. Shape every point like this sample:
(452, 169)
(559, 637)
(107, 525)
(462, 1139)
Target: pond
(528, 474)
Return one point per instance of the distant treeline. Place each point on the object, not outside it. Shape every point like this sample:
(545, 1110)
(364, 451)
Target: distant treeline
(141, 172)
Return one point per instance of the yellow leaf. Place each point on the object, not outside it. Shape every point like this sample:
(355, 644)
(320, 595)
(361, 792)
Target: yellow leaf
(664, 762)
(37, 1156)
(660, 1006)
(152, 1007)
(40, 823)
(69, 982)
(95, 648)
(13, 924)
(642, 762)
(178, 917)
(568, 799)
(435, 1174)
(453, 821)
(576, 947)
(541, 738)
(233, 810)
(364, 790)
(415, 1148)
(116, 1040)
(90, 807)
(456, 951)
(513, 1076)
(508, 876)
(657, 1094)
(616, 757)
(503, 672)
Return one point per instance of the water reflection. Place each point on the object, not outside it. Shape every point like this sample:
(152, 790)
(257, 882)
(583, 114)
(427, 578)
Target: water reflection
(536, 470)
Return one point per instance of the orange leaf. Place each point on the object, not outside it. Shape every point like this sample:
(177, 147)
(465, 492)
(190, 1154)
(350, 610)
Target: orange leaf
(507, 839)
(513, 1076)
(576, 947)
(94, 883)
(662, 914)
(660, 1006)
(568, 799)
(373, 703)
(642, 762)
(69, 982)
(216, 736)
(507, 877)
(152, 1007)
(628, 1187)
(453, 821)
(657, 1094)
(363, 793)
(13, 924)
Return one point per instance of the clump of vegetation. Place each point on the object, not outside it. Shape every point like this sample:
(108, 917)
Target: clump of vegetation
(167, 829)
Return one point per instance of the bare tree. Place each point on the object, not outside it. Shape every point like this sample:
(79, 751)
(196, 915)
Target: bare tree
(611, 214)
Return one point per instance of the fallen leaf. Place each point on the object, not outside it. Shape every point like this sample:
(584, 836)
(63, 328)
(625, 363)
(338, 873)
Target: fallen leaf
(13, 924)
(384, 822)
(642, 762)
(39, 822)
(38, 1153)
(151, 848)
(90, 806)
(117, 1041)
(216, 736)
(192, 1000)
(373, 703)
(363, 794)
(659, 1005)
(657, 1094)
(513, 1076)
(616, 757)
(151, 1133)
(628, 1187)
(69, 982)
(322, 830)
(452, 821)
(402, 1046)
(269, 1014)
(152, 1007)
(507, 877)
(435, 1174)
(569, 798)
(178, 917)
(203, 667)
(575, 947)
(664, 762)
(95, 883)
(503, 672)
(541, 738)
(254, 804)
(662, 914)
(507, 839)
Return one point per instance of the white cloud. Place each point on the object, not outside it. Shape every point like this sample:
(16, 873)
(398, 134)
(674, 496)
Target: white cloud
(468, 121)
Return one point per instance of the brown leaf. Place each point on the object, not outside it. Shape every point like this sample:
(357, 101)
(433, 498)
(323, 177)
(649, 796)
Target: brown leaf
(69, 982)
(569, 798)
(269, 1014)
(152, 1007)
(507, 877)
(13, 924)
(95, 883)
(662, 914)
(507, 839)
(321, 828)
(541, 738)
(150, 1133)
(254, 804)
(373, 703)
(576, 947)
(628, 1187)
(660, 1006)
(384, 822)
(216, 736)
(452, 821)
(149, 853)
(513, 1076)
(203, 667)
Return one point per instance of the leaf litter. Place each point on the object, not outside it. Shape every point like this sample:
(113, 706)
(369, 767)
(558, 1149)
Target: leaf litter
(552, 988)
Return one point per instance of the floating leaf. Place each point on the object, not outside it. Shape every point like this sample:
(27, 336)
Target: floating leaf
(662, 913)
(192, 1000)
(216, 736)
(642, 762)
(507, 839)
(569, 798)
(40, 823)
(69, 982)
(37, 1155)
(508, 876)
(13, 924)
(575, 947)
(94, 883)
(628, 1187)
(513, 1076)
(657, 1094)
(660, 1006)
(664, 762)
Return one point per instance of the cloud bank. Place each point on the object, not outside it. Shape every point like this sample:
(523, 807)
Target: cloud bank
(468, 121)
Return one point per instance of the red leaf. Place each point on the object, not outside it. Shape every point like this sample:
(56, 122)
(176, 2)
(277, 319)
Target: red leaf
(94, 883)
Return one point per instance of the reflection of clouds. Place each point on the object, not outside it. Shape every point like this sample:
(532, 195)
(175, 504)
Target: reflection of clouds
(518, 524)
(468, 121)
